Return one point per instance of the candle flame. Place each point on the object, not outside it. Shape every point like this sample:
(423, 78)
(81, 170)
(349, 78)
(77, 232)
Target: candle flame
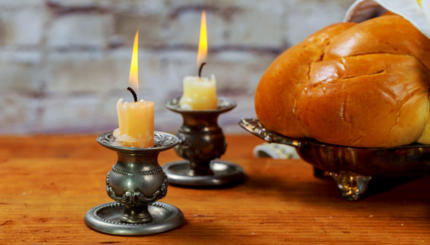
(419, 3)
(134, 68)
(203, 42)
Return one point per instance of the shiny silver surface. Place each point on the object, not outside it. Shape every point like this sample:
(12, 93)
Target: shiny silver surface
(135, 182)
(223, 173)
(202, 142)
(107, 218)
(351, 167)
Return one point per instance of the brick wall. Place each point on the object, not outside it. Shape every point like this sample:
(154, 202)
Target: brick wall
(64, 63)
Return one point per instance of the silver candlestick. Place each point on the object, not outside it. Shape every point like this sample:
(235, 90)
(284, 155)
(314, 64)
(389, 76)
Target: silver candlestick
(202, 142)
(136, 182)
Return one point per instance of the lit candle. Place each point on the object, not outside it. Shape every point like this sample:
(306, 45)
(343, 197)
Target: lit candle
(200, 92)
(135, 119)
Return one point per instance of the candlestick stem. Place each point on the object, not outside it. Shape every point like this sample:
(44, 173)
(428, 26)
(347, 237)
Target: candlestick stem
(139, 214)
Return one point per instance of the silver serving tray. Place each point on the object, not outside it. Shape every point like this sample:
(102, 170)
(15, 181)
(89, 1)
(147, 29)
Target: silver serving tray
(351, 167)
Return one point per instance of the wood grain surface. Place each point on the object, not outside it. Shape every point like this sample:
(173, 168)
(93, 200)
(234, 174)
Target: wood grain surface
(47, 184)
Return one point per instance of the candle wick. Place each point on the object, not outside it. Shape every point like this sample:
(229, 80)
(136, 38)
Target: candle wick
(133, 93)
(201, 68)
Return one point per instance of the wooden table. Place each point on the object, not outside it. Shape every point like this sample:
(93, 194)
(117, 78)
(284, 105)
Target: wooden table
(48, 183)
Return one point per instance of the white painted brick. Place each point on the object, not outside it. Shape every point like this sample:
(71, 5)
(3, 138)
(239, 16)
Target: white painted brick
(80, 72)
(81, 30)
(22, 27)
(238, 72)
(14, 4)
(26, 56)
(74, 3)
(245, 109)
(306, 17)
(19, 77)
(100, 72)
(151, 27)
(236, 23)
(230, 23)
(131, 6)
(71, 113)
(19, 114)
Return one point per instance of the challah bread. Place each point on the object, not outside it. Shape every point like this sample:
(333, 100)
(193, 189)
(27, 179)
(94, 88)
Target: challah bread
(363, 85)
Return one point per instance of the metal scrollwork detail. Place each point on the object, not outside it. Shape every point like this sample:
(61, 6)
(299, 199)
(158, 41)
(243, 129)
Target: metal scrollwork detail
(134, 198)
(162, 139)
(106, 138)
(203, 148)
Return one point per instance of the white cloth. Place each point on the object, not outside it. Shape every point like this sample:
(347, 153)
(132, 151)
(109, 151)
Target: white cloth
(276, 151)
(416, 12)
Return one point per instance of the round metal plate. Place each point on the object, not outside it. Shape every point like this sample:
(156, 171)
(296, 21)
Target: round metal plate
(106, 218)
(162, 141)
(224, 105)
(225, 173)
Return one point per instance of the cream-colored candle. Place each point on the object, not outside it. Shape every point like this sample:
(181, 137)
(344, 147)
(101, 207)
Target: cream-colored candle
(200, 92)
(135, 123)
(135, 119)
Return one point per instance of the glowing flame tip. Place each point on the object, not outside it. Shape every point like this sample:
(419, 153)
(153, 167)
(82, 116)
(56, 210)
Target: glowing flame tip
(134, 66)
(203, 41)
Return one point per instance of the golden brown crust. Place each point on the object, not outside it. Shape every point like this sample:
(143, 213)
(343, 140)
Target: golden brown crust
(285, 78)
(386, 34)
(351, 84)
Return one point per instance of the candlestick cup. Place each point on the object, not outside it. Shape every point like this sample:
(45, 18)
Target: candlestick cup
(135, 183)
(201, 142)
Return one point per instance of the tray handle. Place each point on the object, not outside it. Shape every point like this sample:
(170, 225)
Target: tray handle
(254, 127)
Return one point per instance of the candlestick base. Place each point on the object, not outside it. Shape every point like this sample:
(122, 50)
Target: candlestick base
(221, 174)
(107, 218)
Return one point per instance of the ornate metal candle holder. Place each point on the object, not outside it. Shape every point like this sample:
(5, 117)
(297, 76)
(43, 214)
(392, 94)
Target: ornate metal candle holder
(136, 182)
(202, 141)
(351, 167)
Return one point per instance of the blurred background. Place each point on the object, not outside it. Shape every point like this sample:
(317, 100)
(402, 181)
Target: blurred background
(65, 63)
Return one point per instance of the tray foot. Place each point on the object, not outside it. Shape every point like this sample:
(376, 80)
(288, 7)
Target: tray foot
(353, 186)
